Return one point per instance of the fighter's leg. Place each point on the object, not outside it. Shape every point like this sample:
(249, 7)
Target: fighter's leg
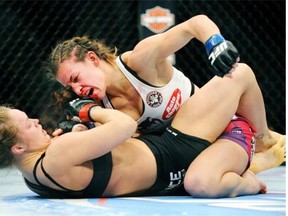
(216, 173)
(210, 109)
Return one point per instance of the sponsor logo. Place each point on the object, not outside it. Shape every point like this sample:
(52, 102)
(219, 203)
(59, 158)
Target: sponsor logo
(157, 19)
(173, 104)
(217, 51)
(176, 179)
(154, 99)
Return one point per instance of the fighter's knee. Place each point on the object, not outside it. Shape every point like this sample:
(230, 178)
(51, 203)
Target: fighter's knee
(197, 186)
(245, 70)
(244, 73)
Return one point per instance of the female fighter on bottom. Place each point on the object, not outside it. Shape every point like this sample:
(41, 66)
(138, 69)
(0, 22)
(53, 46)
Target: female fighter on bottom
(106, 162)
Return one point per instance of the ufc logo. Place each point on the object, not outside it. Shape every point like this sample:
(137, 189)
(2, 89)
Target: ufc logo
(176, 179)
(217, 51)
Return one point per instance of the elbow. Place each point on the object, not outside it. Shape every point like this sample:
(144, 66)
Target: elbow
(201, 18)
(129, 126)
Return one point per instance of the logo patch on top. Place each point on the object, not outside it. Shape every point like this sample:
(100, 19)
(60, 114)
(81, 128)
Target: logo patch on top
(173, 104)
(154, 99)
(157, 19)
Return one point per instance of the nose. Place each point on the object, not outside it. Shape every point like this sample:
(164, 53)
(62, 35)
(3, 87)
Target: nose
(77, 89)
(36, 122)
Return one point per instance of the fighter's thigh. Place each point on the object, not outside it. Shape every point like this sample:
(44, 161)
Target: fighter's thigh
(221, 157)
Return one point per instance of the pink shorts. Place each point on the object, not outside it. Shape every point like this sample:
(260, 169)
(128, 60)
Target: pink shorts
(241, 131)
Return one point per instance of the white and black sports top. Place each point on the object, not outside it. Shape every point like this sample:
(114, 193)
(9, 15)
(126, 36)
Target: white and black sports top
(159, 103)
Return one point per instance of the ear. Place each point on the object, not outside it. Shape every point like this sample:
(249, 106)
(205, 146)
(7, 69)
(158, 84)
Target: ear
(17, 149)
(93, 57)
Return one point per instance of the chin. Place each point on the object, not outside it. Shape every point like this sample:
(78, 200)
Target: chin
(97, 98)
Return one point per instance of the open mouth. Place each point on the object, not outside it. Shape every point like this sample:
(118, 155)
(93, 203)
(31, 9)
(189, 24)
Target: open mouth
(90, 92)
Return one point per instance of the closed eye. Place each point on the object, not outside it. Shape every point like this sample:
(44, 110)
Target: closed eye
(75, 79)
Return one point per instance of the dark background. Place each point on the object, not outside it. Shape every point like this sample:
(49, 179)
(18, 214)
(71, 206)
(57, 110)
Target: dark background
(29, 30)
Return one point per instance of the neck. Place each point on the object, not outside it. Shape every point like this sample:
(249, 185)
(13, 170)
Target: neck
(118, 83)
(25, 163)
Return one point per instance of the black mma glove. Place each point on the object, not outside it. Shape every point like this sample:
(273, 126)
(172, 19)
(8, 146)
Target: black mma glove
(81, 108)
(222, 54)
(67, 125)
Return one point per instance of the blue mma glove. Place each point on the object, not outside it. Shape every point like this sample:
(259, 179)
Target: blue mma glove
(222, 54)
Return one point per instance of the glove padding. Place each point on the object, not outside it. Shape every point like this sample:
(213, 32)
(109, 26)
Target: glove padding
(81, 108)
(222, 54)
(67, 125)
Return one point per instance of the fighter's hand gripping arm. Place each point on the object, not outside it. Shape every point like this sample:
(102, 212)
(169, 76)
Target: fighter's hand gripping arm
(115, 128)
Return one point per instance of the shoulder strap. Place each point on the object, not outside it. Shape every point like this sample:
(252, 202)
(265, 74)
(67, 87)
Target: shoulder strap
(102, 167)
(35, 167)
(45, 173)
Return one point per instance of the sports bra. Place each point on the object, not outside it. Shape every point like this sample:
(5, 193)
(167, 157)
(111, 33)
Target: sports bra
(160, 103)
(102, 169)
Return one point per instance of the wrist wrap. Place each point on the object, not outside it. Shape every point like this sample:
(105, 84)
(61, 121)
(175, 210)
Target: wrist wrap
(84, 113)
(213, 41)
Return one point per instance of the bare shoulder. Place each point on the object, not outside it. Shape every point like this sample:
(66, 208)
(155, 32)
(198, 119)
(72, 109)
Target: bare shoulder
(130, 59)
(125, 56)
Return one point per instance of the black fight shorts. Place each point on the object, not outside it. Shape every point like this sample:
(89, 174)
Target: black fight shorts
(174, 152)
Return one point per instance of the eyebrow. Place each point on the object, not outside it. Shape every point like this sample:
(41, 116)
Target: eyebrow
(72, 76)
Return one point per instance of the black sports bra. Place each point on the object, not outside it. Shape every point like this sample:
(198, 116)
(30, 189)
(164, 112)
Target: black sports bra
(102, 168)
